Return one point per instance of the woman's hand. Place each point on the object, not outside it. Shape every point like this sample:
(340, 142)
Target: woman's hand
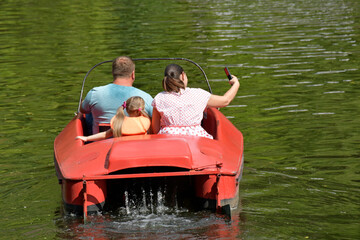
(234, 80)
(82, 138)
(225, 100)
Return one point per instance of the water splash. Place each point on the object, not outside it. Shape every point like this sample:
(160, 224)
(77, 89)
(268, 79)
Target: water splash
(127, 202)
(149, 201)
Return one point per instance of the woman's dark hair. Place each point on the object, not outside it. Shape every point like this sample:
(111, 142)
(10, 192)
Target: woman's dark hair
(171, 81)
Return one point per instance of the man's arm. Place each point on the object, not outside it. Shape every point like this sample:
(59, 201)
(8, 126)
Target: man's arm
(85, 104)
(82, 109)
(148, 106)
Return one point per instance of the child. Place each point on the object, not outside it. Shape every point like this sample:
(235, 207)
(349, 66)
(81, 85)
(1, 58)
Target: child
(137, 123)
(179, 109)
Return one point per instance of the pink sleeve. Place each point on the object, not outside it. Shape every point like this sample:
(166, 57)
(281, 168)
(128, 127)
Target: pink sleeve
(153, 103)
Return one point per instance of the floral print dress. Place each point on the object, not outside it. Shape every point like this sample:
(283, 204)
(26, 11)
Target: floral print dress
(181, 113)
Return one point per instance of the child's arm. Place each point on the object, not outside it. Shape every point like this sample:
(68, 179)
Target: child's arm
(97, 136)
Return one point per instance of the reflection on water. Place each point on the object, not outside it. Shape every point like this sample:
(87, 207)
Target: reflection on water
(298, 65)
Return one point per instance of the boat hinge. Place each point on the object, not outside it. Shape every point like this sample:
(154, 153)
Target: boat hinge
(85, 199)
(218, 201)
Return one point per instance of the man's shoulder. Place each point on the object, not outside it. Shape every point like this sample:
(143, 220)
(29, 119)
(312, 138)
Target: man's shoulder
(110, 87)
(99, 88)
(115, 88)
(142, 93)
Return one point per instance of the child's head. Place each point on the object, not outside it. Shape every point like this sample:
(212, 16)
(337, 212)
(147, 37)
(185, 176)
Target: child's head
(172, 81)
(135, 107)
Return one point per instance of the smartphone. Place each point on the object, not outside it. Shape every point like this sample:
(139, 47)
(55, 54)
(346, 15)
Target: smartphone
(228, 73)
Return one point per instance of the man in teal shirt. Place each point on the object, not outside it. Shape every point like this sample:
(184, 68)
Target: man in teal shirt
(102, 102)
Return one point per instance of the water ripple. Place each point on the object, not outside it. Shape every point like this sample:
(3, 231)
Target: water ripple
(280, 107)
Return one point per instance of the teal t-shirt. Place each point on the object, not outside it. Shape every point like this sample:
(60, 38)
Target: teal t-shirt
(103, 102)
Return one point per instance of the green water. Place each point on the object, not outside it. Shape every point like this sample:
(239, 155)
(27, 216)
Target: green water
(298, 108)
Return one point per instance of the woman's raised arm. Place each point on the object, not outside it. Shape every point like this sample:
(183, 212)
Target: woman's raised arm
(223, 101)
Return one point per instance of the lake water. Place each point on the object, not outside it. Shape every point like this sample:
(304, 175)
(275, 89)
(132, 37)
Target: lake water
(298, 108)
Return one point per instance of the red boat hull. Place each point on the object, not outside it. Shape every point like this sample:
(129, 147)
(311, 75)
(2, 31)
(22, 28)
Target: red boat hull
(213, 168)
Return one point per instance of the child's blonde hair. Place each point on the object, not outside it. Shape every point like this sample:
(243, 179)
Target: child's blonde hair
(135, 106)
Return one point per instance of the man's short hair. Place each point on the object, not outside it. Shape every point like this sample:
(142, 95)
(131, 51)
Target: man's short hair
(122, 67)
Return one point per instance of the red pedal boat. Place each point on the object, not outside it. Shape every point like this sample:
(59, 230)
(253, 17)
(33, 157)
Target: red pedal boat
(96, 174)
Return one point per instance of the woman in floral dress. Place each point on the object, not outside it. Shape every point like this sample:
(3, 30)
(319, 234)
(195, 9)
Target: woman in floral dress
(179, 109)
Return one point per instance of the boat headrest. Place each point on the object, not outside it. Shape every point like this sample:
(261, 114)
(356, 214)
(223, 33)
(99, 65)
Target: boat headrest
(161, 152)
